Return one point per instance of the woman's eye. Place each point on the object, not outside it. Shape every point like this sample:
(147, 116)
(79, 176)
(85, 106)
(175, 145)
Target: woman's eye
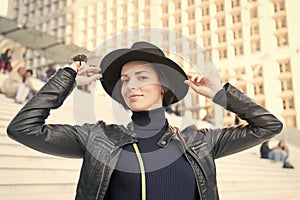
(124, 81)
(142, 78)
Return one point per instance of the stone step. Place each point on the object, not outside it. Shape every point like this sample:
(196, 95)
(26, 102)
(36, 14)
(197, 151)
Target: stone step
(34, 162)
(21, 150)
(261, 193)
(38, 191)
(4, 124)
(4, 139)
(41, 176)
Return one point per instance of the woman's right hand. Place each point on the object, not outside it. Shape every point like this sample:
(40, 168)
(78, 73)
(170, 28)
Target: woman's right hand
(86, 74)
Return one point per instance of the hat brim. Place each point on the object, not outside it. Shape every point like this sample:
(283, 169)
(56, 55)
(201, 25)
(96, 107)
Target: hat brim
(112, 64)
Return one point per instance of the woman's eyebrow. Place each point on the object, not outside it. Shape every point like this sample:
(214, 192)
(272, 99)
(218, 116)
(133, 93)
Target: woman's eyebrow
(136, 73)
(139, 72)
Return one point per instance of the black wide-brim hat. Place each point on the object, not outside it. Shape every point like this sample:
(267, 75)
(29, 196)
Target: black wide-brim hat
(112, 63)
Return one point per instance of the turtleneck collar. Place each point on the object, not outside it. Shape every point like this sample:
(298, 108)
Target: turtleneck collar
(147, 123)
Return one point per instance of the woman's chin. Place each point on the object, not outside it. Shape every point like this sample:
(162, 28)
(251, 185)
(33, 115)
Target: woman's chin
(137, 108)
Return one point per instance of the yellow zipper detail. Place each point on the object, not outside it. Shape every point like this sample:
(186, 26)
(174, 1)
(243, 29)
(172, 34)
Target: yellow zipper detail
(142, 168)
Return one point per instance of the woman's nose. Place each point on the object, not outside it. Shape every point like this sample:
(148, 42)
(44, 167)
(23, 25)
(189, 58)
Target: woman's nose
(132, 84)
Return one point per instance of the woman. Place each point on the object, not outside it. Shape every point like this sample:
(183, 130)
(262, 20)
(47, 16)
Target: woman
(5, 65)
(279, 153)
(149, 158)
(12, 82)
(26, 89)
(265, 150)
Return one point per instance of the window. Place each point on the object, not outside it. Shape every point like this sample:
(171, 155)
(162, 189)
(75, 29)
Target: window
(165, 9)
(135, 18)
(254, 13)
(165, 22)
(178, 5)
(254, 29)
(282, 39)
(192, 15)
(205, 26)
(237, 33)
(205, 11)
(147, 15)
(56, 5)
(286, 85)
(285, 66)
(257, 70)
(240, 73)
(235, 3)
(193, 58)
(288, 103)
(207, 55)
(239, 49)
(290, 120)
(191, 2)
(124, 21)
(206, 41)
(178, 48)
(259, 89)
(280, 22)
(236, 18)
(255, 45)
(178, 19)
(289, 84)
(221, 21)
(222, 37)
(279, 6)
(220, 6)
(222, 53)
(192, 29)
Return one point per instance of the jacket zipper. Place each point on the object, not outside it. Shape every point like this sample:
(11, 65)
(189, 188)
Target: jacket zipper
(142, 168)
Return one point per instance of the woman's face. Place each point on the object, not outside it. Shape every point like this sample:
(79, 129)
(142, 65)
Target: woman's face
(141, 89)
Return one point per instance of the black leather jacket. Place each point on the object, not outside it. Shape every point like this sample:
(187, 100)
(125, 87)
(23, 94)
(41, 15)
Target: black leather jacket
(100, 144)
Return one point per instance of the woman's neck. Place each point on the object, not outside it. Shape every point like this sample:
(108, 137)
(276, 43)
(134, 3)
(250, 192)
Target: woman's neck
(150, 120)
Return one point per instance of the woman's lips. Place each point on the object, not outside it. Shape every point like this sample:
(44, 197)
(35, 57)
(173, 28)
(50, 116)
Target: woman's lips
(134, 96)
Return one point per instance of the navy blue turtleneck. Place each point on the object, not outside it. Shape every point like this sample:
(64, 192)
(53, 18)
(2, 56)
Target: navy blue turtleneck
(168, 174)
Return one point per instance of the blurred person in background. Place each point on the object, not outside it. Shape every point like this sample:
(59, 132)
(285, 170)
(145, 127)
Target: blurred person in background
(41, 74)
(5, 65)
(280, 152)
(50, 71)
(26, 89)
(265, 150)
(11, 84)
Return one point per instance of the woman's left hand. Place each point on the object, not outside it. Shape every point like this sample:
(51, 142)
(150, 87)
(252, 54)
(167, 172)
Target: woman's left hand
(206, 86)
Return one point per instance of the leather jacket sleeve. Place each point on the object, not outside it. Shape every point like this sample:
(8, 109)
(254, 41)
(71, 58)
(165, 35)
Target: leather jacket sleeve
(262, 125)
(28, 126)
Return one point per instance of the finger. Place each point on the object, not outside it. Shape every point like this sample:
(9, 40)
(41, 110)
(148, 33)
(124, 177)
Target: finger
(95, 77)
(191, 85)
(93, 70)
(189, 76)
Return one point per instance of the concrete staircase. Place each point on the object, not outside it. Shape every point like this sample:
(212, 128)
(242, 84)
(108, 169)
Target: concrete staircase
(246, 176)
(28, 175)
